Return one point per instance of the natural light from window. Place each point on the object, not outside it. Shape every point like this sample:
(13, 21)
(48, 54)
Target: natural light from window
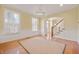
(34, 24)
(11, 22)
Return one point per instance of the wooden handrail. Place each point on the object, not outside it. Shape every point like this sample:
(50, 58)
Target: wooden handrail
(55, 26)
(58, 23)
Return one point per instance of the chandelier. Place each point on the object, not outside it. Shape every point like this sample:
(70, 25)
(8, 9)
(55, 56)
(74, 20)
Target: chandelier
(40, 12)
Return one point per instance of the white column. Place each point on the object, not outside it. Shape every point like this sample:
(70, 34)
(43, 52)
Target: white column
(49, 34)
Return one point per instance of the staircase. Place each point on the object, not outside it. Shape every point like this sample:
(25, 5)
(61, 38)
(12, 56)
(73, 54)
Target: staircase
(58, 27)
(55, 26)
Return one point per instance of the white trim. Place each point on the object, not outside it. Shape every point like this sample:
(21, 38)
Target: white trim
(17, 36)
(67, 38)
(11, 27)
(35, 24)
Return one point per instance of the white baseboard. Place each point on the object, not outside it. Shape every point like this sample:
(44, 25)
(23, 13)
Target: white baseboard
(66, 38)
(17, 36)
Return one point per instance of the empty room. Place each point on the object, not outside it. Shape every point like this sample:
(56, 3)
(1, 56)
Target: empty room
(39, 29)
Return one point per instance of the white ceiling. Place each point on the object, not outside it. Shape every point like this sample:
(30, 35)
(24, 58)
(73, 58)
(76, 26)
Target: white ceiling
(47, 8)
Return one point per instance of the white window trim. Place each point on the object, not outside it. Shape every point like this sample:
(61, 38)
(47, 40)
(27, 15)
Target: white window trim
(6, 24)
(34, 24)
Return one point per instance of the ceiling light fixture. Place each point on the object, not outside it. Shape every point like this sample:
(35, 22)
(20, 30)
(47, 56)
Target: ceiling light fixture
(40, 12)
(61, 5)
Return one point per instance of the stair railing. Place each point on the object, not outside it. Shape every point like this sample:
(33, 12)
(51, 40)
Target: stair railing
(56, 26)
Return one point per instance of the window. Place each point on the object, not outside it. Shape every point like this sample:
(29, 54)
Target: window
(11, 22)
(34, 24)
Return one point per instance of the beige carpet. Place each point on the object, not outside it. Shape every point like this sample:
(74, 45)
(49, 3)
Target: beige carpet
(39, 45)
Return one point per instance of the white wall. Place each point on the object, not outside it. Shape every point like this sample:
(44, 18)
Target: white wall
(70, 17)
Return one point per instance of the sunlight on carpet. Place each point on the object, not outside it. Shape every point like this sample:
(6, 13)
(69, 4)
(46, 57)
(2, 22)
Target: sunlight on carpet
(39, 45)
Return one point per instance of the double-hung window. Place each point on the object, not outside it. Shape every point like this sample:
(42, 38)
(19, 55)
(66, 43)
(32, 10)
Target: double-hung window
(11, 22)
(34, 24)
